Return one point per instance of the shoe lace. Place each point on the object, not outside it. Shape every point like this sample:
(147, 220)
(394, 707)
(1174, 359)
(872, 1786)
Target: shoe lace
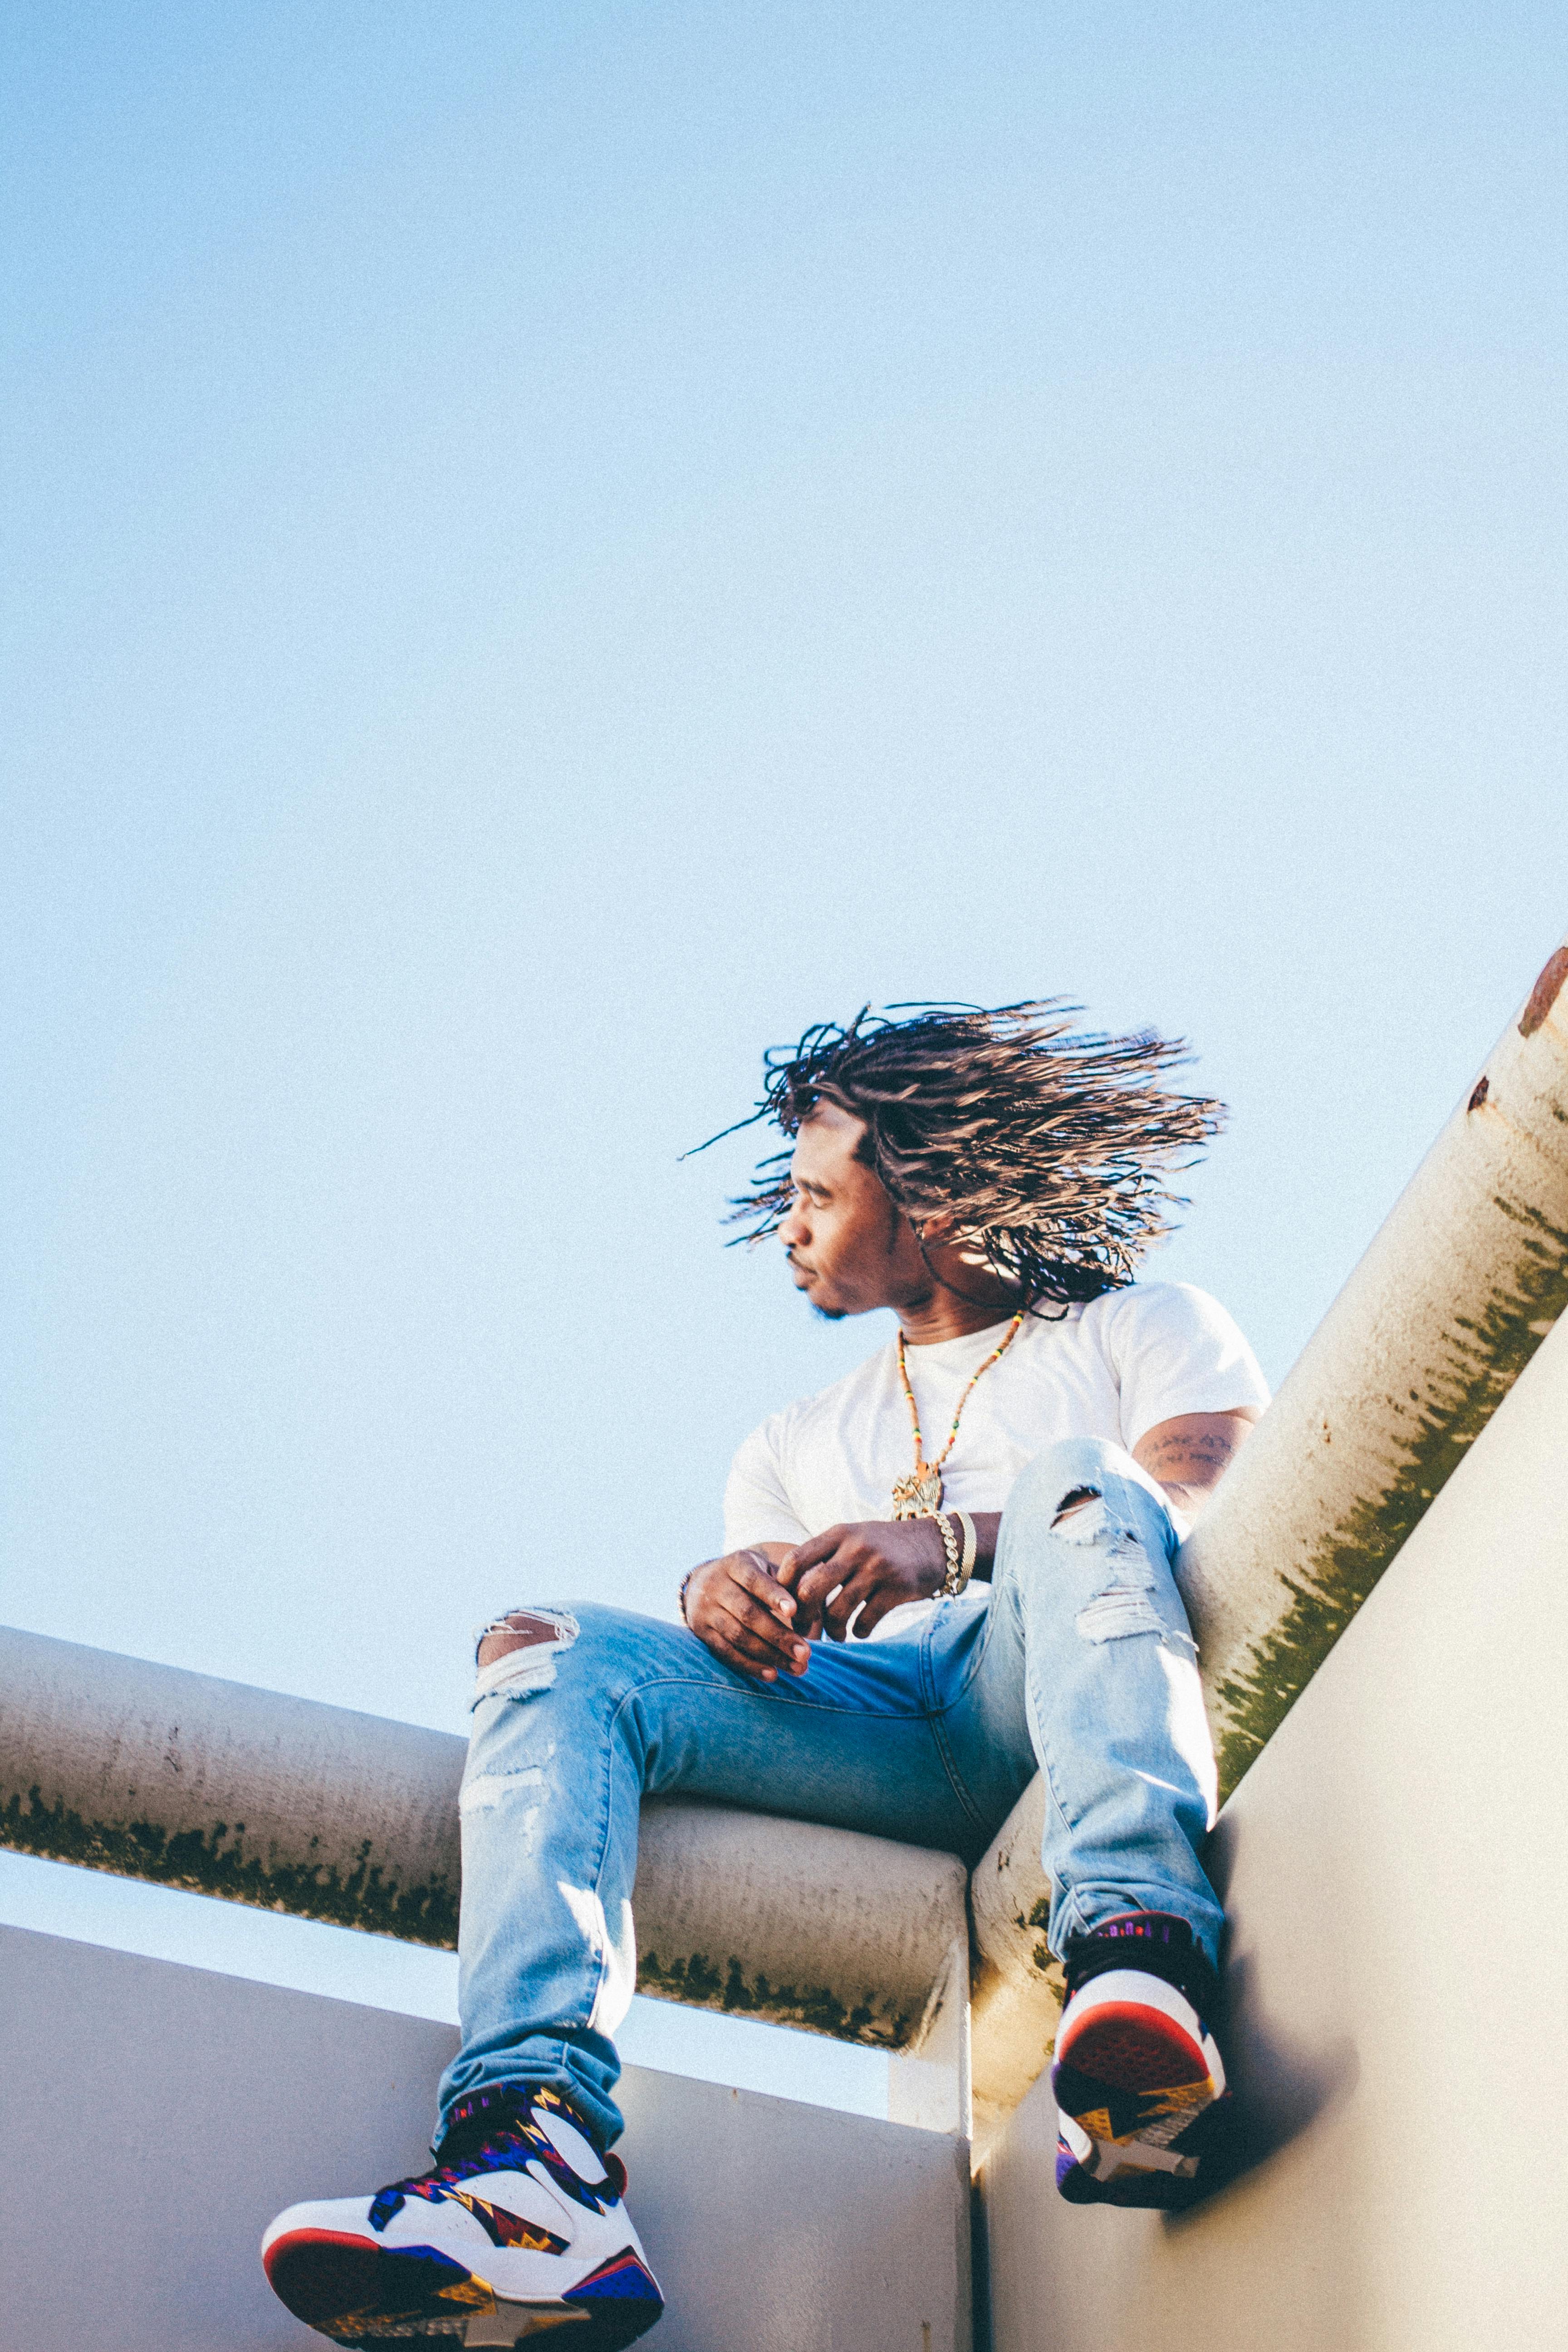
(508, 2142)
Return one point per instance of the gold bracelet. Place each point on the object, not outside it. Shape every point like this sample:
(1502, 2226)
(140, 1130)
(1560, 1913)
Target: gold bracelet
(953, 1582)
(971, 1546)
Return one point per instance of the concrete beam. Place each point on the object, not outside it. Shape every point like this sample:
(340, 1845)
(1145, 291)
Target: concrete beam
(156, 1773)
(1464, 1280)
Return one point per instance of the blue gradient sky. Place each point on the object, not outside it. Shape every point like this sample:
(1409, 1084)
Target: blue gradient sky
(551, 547)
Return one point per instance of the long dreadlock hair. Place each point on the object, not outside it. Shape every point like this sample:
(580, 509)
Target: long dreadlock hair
(1049, 1147)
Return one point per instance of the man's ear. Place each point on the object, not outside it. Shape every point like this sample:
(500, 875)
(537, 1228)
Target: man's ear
(938, 1228)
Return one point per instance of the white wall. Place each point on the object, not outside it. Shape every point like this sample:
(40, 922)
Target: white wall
(155, 2118)
(1394, 1866)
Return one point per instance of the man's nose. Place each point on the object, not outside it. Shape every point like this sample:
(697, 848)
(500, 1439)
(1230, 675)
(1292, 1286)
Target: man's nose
(793, 1229)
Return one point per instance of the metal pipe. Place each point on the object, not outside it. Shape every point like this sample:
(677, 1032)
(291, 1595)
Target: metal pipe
(1457, 1291)
(1467, 1275)
(156, 1773)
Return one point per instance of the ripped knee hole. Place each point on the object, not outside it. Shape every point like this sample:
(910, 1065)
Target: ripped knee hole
(516, 1654)
(520, 1629)
(1077, 1498)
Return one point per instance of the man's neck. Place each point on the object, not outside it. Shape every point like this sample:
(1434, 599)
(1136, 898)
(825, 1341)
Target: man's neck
(939, 1314)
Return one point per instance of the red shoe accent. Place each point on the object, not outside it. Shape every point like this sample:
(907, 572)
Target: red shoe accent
(326, 2277)
(1132, 2048)
(321, 2273)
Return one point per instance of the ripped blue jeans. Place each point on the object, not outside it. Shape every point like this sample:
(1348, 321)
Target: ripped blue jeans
(1079, 1664)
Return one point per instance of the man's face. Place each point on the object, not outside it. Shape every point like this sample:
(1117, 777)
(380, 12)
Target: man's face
(849, 1248)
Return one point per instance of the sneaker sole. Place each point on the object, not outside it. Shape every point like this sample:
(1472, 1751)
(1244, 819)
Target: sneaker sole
(357, 2292)
(1131, 2084)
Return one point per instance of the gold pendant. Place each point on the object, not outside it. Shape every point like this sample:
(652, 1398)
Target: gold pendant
(918, 1497)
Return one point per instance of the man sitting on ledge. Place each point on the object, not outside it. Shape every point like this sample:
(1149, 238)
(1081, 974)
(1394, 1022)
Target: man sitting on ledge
(989, 1507)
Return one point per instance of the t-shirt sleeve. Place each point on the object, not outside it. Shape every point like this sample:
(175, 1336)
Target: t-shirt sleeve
(1174, 1350)
(756, 1508)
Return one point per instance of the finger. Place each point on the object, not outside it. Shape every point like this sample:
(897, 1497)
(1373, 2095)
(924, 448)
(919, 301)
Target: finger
(745, 1611)
(739, 1637)
(842, 1607)
(750, 1611)
(752, 1572)
(852, 1593)
(741, 1647)
(817, 1582)
(726, 1652)
(808, 1621)
(807, 1617)
(793, 1661)
(816, 1548)
(836, 1577)
(882, 1598)
(814, 1606)
(788, 1572)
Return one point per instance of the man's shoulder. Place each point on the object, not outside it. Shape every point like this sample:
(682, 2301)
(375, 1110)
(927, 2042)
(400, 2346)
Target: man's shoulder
(823, 1404)
(1153, 1302)
(1122, 1323)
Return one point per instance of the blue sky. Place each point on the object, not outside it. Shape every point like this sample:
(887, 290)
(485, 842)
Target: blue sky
(552, 547)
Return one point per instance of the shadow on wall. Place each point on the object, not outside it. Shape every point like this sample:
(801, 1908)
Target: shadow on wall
(1279, 2089)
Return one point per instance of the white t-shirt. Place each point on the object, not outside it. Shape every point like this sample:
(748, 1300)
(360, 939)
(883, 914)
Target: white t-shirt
(1115, 1368)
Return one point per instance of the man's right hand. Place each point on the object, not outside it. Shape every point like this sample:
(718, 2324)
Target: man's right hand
(738, 1608)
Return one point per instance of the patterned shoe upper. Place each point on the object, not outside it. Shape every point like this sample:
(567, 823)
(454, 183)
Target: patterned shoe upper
(506, 2131)
(1157, 1942)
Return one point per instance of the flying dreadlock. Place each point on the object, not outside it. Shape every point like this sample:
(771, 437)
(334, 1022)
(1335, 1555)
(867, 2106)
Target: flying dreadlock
(1050, 1148)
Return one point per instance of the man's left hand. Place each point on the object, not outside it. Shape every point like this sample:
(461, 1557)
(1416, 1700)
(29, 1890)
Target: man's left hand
(873, 1566)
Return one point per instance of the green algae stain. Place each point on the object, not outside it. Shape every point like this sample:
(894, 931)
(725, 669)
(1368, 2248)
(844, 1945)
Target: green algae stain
(214, 1861)
(697, 1983)
(1486, 1355)
(1042, 1957)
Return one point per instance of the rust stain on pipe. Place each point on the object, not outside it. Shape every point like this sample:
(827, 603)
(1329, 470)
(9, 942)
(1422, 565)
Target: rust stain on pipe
(1546, 993)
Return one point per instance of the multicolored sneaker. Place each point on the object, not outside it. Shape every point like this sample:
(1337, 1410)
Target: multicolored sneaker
(517, 2228)
(1141, 2093)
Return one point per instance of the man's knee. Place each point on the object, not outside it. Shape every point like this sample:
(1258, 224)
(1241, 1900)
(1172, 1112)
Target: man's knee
(516, 1655)
(519, 1653)
(524, 1629)
(1067, 1476)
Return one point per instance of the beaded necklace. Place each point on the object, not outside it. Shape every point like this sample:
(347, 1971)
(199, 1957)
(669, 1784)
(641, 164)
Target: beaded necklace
(919, 1496)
